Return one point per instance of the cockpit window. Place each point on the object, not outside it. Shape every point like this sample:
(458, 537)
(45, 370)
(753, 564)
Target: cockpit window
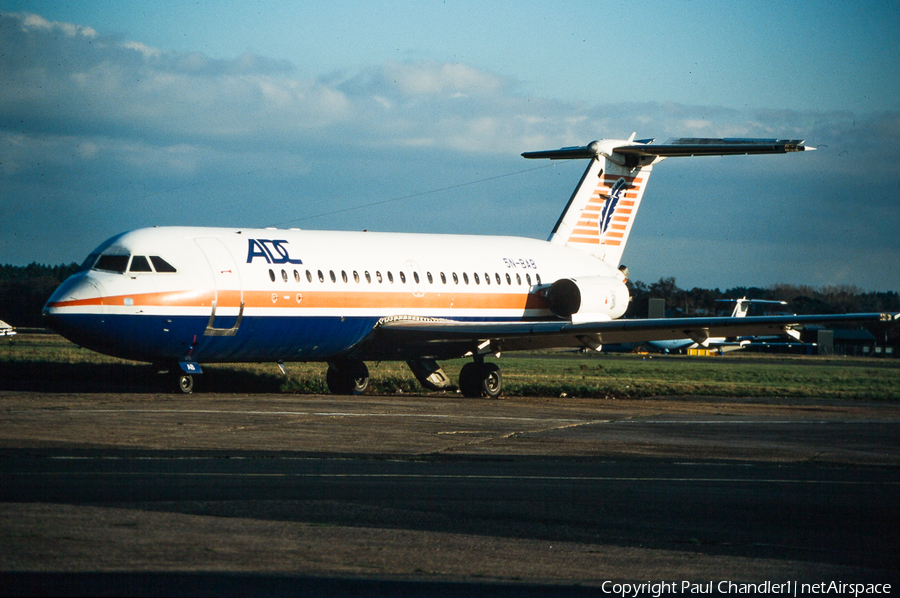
(139, 264)
(161, 265)
(112, 263)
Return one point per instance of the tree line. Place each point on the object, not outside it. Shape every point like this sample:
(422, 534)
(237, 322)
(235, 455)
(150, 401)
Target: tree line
(799, 299)
(25, 289)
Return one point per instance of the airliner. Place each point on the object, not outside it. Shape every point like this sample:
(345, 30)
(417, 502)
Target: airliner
(180, 297)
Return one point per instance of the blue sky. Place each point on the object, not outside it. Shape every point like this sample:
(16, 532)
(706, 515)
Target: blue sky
(129, 114)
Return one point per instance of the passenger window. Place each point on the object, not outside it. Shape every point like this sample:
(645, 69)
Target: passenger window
(487, 278)
(296, 276)
(333, 277)
(390, 277)
(443, 278)
(402, 277)
(537, 277)
(139, 264)
(378, 276)
(368, 277)
(355, 276)
(528, 279)
(430, 279)
(308, 276)
(477, 280)
(416, 276)
(508, 279)
(284, 276)
(321, 276)
(112, 263)
(344, 275)
(497, 274)
(161, 265)
(465, 278)
(272, 274)
(455, 278)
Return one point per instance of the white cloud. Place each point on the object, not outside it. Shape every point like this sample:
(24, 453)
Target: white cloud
(440, 79)
(84, 122)
(145, 50)
(33, 21)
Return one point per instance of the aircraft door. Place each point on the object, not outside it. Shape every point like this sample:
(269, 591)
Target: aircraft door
(415, 279)
(228, 305)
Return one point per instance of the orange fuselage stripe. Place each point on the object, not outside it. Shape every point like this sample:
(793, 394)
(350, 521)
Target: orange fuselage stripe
(286, 297)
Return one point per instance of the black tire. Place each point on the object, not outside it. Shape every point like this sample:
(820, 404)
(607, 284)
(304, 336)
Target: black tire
(491, 380)
(470, 381)
(350, 378)
(480, 380)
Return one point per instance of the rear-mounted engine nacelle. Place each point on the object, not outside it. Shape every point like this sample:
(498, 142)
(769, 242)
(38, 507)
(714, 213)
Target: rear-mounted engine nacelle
(587, 299)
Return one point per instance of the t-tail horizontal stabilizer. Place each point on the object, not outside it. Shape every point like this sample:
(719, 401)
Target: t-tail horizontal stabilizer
(600, 214)
(671, 148)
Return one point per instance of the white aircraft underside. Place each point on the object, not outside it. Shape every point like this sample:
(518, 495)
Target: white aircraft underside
(182, 296)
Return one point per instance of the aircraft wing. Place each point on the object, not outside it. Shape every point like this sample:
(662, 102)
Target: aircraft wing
(445, 338)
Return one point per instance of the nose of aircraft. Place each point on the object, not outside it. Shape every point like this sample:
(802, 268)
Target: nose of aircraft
(75, 310)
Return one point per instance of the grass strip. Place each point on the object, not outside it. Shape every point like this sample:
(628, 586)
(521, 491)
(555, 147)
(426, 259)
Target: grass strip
(51, 359)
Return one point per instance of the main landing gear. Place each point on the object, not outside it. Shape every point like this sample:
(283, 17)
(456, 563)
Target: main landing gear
(476, 379)
(480, 379)
(348, 377)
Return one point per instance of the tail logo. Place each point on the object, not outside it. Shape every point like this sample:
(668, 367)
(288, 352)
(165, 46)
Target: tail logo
(607, 214)
(609, 206)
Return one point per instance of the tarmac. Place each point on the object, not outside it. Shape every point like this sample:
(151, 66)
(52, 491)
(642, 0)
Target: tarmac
(231, 494)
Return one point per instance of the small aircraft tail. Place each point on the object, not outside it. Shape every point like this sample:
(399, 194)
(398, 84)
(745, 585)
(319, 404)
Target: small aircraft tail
(742, 305)
(601, 212)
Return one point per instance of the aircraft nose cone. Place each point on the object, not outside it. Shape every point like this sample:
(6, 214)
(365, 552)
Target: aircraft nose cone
(75, 309)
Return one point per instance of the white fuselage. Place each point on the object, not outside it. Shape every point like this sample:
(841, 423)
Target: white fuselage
(293, 295)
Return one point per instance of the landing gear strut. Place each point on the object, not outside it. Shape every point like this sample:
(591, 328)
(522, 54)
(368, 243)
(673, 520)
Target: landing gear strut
(347, 377)
(430, 374)
(478, 378)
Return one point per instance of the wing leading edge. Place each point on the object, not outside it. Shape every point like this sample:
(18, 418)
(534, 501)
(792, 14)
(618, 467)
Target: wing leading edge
(445, 337)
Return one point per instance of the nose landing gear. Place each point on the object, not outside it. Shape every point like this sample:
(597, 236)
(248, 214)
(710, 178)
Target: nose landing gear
(179, 376)
(184, 383)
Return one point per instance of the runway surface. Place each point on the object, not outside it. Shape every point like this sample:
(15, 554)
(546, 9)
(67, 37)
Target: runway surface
(438, 495)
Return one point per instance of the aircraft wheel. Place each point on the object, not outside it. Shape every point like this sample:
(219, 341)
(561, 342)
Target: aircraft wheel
(491, 380)
(349, 378)
(184, 384)
(468, 381)
(480, 380)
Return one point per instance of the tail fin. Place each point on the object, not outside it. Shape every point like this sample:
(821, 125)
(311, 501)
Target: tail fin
(601, 212)
(742, 305)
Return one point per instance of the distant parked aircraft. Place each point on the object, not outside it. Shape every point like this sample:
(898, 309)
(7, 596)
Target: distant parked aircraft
(721, 344)
(183, 296)
(6, 329)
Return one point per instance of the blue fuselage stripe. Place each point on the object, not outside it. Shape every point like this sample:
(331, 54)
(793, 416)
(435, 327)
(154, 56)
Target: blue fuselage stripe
(257, 339)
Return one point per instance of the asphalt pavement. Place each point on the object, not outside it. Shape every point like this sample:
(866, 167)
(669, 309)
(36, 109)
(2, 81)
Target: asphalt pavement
(139, 494)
